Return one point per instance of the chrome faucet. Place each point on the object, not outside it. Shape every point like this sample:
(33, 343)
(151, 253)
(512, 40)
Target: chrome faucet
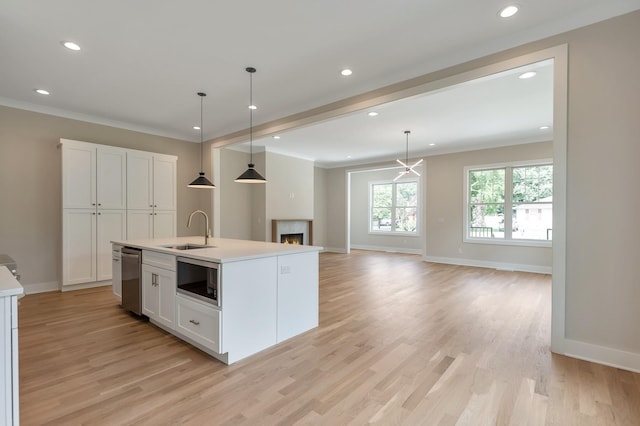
(207, 230)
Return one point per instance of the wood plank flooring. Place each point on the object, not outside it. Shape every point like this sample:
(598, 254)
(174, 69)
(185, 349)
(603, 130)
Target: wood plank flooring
(400, 341)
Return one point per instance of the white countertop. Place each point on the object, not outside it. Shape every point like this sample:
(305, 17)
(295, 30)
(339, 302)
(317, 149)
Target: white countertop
(9, 286)
(220, 250)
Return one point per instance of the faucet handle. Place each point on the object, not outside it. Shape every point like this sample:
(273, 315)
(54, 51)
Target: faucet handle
(208, 233)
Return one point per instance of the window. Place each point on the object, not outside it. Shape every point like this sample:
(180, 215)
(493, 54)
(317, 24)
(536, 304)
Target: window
(394, 207)
(512, 203)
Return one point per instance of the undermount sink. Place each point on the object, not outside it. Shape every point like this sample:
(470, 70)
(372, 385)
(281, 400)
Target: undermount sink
(188, 246)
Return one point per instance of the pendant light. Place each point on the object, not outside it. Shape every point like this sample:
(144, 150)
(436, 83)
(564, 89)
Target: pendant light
(251, 175)
(201, 181)
(407, 169)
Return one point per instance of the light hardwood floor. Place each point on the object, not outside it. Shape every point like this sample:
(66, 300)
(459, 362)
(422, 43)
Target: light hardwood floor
(400, 341)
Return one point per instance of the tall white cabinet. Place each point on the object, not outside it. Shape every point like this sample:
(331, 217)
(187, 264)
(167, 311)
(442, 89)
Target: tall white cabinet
(151, 195)
(100, 186)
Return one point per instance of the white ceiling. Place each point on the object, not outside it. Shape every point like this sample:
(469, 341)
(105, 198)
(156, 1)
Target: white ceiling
(143, 61)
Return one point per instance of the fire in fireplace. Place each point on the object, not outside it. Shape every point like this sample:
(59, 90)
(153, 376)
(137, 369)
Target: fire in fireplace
(291, 238)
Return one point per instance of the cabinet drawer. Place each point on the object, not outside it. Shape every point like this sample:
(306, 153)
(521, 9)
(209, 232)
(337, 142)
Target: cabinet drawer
(161, 260)
(198, 321)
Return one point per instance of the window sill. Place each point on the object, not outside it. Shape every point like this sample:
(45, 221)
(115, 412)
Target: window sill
(498, 241)
(394, 233)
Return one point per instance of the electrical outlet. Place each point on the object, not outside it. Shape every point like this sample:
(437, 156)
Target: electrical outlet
(285, 269)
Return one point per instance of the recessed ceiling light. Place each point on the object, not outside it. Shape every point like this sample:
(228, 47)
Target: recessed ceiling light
(544, 127)
(348, 156)
(527, 74)
(345, 72)
(372, 114)
(253, 107)
(432, 144)
(508, 11)
(71, 45)
(276, 137)
(42, 91)
(196, 127)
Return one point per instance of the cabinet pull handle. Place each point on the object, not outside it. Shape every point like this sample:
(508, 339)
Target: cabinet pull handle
(194, 322)
(116, 260)
(154, 280)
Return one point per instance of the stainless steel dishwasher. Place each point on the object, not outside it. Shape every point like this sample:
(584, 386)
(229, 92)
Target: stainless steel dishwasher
(131, 280)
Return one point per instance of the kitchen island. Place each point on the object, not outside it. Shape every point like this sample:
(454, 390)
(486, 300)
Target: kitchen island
(256, 294)
(10, 291)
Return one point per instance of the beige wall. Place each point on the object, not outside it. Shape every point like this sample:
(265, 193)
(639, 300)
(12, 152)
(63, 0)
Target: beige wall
(444, 221)
(289, 193)
(235, 198)
(246, 210)
(359, 215)
(30, 184)
(320, 206)
(600, 301)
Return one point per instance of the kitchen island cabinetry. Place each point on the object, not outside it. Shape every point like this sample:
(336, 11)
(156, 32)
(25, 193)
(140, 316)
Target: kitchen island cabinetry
(10, 289)
(268, 293)
(158, 287)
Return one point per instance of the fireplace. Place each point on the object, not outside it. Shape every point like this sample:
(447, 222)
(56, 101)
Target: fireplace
(292, 231)
(296, 239)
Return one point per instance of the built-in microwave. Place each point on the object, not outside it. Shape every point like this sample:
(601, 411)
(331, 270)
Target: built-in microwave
(199, 279)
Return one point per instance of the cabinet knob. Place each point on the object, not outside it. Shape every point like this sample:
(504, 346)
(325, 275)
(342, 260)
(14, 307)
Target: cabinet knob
(99, 204)
(93, 213)
(155, 214)
(150, 214)
(150, 205)
(93, 204)
(155, 205)
(99, 214)
(194, 322)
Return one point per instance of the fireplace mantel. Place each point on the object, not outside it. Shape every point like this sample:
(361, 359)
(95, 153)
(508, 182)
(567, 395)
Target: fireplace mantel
(275, 234)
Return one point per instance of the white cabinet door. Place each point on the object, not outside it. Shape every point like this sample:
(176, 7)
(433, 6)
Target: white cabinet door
(116, 271)
(164, 224)
(111, 225)
(79, 246)
(159, 294)
(139, 180)
(78, 175)
(139, 224)
(150, 292)
(111, 178)
(164, 182)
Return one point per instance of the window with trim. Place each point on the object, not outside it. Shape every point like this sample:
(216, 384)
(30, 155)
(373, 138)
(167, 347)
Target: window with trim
(393, 207)
(511, 203)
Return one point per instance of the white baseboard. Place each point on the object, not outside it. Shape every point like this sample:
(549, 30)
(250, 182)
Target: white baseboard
(41, 287)
(488, 264)
(600, 355)
(334, 250)
(86, 285)
(386, 249)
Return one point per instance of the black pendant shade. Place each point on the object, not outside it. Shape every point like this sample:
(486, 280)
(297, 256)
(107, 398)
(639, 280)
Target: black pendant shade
(251, 175)
(201, 181)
